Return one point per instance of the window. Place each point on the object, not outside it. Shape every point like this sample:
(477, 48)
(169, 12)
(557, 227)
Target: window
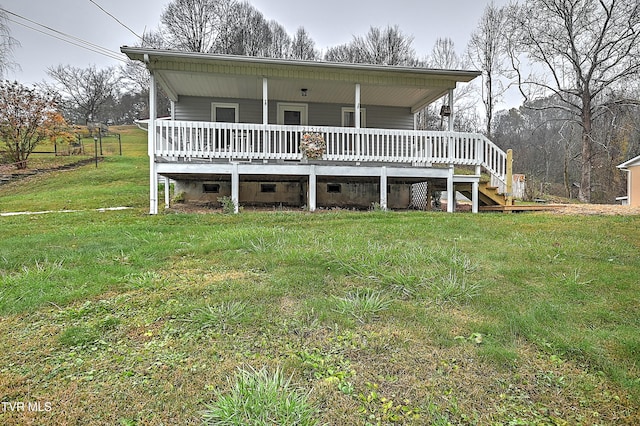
(293, 114)
(334, 188)
(267, 187)
(349, 117)
(224, 113)
(210, 188)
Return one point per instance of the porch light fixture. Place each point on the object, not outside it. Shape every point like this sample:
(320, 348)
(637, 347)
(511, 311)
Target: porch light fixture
(303, 92)
(445, 110)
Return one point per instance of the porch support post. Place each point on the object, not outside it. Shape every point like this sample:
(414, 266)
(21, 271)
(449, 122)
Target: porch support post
(312, 193)
(474, 197)
(475, 190)
(235, 187)
(383, 188)
(151, 138)
(265, 101)
(266, 143)
(509, 177)
(357, 122)
(451, 109)
(451, 195)
(357, 107)
(167, 190)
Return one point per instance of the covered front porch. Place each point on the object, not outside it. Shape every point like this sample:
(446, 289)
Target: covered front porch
(240, 119)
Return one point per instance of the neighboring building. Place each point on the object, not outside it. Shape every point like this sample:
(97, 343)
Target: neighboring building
(632, 167)
(237, 123)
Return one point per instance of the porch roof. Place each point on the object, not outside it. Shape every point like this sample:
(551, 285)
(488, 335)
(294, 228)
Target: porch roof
(633, 162)
(227, 76)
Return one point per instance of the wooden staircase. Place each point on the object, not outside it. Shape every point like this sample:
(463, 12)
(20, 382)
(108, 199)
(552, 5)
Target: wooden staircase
(487, 195)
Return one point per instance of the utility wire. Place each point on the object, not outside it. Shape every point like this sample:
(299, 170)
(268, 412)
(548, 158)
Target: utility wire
(107, 53)
(76, 41)
(116, 19)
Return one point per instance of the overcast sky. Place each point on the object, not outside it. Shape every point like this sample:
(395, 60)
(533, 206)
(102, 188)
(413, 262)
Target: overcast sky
(329, 22)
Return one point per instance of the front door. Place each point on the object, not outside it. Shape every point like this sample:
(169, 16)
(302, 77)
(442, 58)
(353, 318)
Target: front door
(292, 114)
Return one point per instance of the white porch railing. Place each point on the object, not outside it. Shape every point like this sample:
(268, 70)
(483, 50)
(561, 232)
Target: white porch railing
(188, 140)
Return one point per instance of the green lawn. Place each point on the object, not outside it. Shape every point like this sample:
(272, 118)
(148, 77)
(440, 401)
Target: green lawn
(381, 318)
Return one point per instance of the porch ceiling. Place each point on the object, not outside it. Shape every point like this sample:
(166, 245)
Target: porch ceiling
(225, 76)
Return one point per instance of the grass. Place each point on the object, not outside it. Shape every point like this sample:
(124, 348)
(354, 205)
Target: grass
(373, 317)
(260, 398)
(115, 182)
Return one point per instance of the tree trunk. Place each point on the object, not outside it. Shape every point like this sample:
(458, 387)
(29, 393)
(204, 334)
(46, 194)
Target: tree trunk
(584, 194)
(565, 172)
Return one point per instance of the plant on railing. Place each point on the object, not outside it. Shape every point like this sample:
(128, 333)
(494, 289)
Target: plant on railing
(312, 145)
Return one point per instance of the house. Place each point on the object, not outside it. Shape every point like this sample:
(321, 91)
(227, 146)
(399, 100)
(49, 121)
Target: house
(632, 167)
(237, 123)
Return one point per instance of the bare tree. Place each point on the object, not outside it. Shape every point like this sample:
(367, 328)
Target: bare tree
(280, 41)
(342, 53)
(250, 32)
(87, 89)
(7, 44)
(388, 46)
(488, 52)
(381, 46)
(444, 56)
(587, 49)
(195, 25)
(303, 47)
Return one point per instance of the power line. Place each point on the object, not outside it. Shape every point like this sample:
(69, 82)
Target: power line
(67, 38)
(116, 19)
(103, 52)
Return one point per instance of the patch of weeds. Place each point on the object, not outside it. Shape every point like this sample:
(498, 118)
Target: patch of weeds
(78, 336)
(407, 286)
(369, 262)
(332, 368)
(265, 245)
(436, 416)
(108, 323)
(477, 338)
(228, 205)
(260, 398)
(221, 316)
(379, 410)
(179, 198)
(454, 288)
(143, 280)
(362, 304)
(551, 379)
(376, 207)
(87, 309)
(461, 261)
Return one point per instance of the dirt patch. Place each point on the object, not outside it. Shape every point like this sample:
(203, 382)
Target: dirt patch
(595, 209)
